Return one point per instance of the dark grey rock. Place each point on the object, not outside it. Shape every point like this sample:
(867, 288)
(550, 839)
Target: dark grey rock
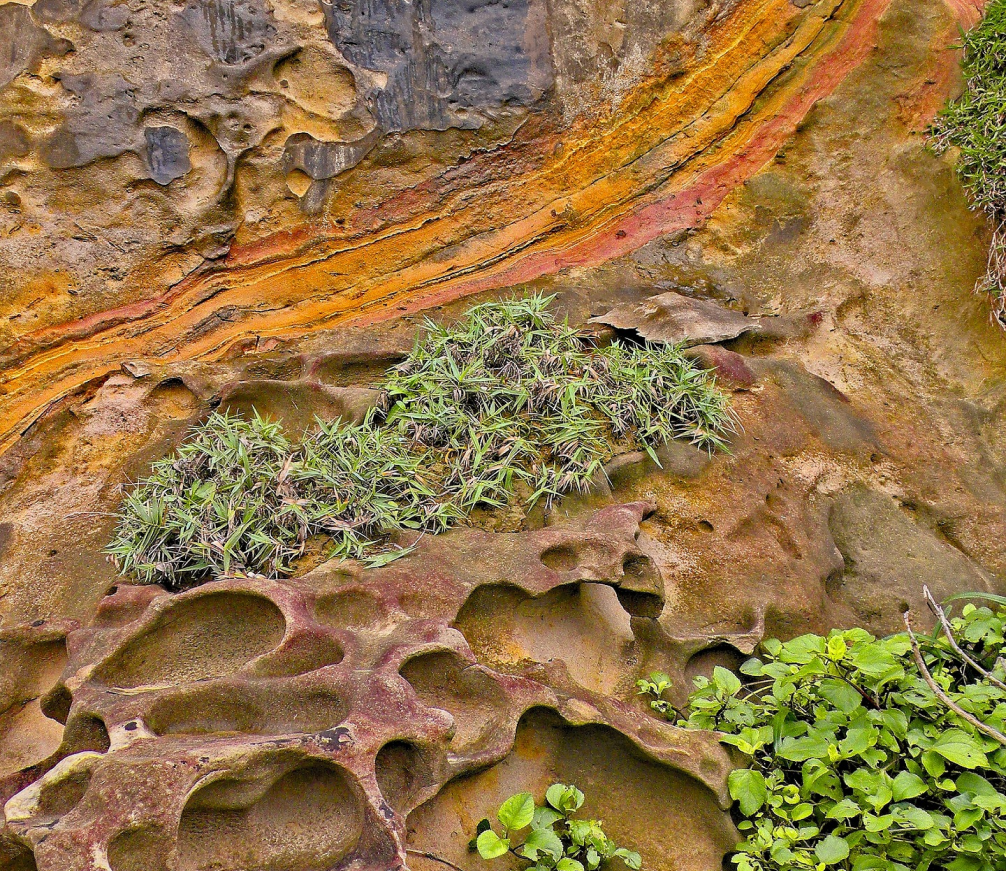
(167, 154)
(101, 16)
(103, 124)
(322, 160)
(444, 59)
(230, 31)
(23, 43)
(14, 140)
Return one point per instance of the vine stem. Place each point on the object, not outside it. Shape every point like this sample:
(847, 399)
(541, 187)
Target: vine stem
(942, 696)
(434, 858)
(948, 631)
(874, 703)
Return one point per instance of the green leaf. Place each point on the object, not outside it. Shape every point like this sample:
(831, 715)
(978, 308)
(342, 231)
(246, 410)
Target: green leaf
(545, 817)
(975, 784)
(896, 721)
(858, 741)
(567, 864)
(379, 560)
(631, 859)
(542, 841)
(873, 661)
(566, 799)
(726, 680)
(491, 846)
(844, 810)
(517, 811)
(874, 823)
(960, 748)
(871, 863)
(812, 746)
(844, 697)
(747, 788)
(876, 786)
(837, 648)
(832, 849)
(967, 817)
(915, 817)
(934, 764)
(907, 785)
(965, 863)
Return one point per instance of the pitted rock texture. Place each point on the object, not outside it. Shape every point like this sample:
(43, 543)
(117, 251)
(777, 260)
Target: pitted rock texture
(297, 724)
(260, 240)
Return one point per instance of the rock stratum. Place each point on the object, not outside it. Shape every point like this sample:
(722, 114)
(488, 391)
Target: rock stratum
(245, 204)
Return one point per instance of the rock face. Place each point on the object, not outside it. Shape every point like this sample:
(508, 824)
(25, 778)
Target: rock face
(291, 164)
(244, 204)
(258, 724)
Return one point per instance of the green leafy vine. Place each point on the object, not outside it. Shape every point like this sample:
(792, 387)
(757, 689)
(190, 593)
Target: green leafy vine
(866, 754)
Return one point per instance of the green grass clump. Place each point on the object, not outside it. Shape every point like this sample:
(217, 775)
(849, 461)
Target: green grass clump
(508, 404)
(510, 395)
(976, 124)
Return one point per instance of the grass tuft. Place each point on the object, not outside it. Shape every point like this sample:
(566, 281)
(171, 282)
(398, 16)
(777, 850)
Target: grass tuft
(509, 404)
(975, 123)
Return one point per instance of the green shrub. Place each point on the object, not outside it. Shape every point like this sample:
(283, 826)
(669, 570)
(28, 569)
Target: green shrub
(554, 840)
(976, 124)
(867, 754)
(509, 401)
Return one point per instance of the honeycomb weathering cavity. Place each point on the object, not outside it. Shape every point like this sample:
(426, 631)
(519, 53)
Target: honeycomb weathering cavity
(205, 636)
(299, 724)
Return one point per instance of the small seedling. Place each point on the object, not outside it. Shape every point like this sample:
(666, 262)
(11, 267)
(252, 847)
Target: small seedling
(554, 840)
(656, 685)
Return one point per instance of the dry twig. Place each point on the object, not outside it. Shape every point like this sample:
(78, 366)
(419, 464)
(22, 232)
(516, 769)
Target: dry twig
(941, 695)
(948, 631)
(434, 858)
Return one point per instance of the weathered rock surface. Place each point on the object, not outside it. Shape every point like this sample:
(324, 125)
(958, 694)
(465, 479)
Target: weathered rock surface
(244, 202)
(679, 320)
(289, 165)
(258, 724)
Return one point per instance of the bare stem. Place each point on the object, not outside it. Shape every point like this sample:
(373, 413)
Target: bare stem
(434, 858)
(942, 696)
(948, 631)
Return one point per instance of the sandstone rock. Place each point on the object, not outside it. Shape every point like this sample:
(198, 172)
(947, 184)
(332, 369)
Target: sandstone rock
(251, 723)
(252, 199)
(889, 557)
(678, 319)
(297, 404)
